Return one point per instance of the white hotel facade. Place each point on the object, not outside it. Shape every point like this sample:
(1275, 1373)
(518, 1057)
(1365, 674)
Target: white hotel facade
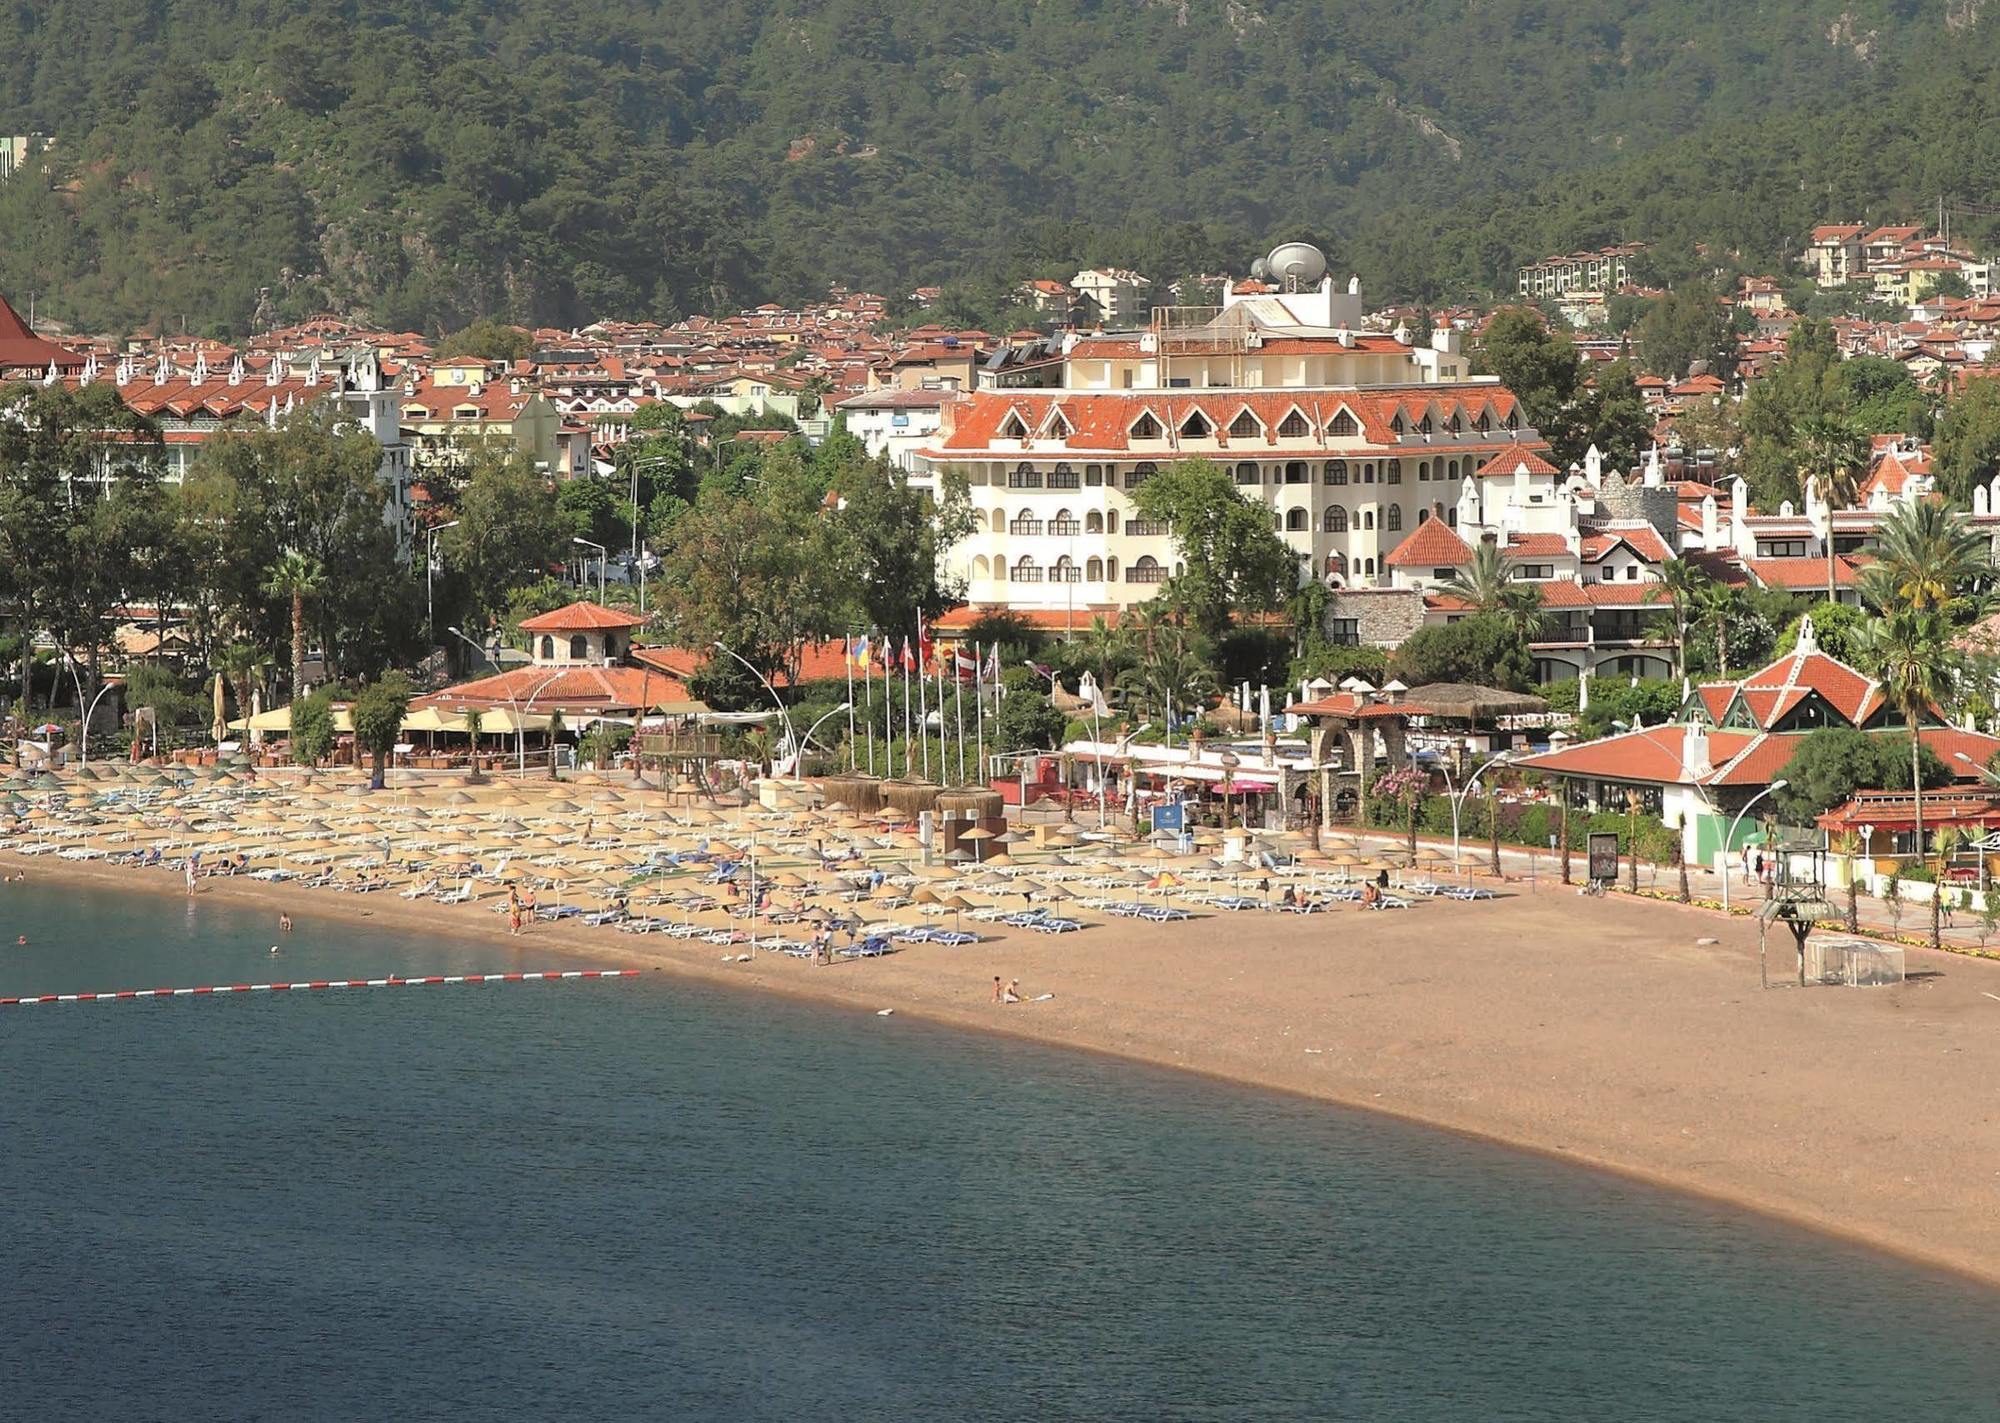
(1351, 438)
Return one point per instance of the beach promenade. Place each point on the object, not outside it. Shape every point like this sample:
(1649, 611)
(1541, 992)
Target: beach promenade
(1602, 1030)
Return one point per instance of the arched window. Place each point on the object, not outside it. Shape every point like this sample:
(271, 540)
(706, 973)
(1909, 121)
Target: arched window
(1094, 570)
(1451, 469)
(1423, 514)
(1298, 472)
(1093, 522)
(1368, 566)
(1064, 476)
(1395, 471)
(1451, 517)
(980, 566)
(1065, 571)
(1344, 426)
(1367, 518)
(1295, 520)
(579, 647)
(1024, 476)
(1146, 570)
(548, 649)
(1026, 570)
(999, 521)
(1393, 518)
(1110, 570)
(1336, 471)
(1139, 474)
(1423, 470)
(1093, 476)
(1368, 473)
(1246, 473)
(999, 570)
(1111, 521)
(1065, 524)
(1336, 519)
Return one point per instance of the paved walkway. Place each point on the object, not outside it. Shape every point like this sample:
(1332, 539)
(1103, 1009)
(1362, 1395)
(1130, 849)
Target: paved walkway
(1542, 869)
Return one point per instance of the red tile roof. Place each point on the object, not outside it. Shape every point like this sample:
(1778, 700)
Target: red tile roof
(22, 349)
(1430, 545)
(1537, 545)
(583, 688)
(1504, 464)
(582, 617)
(1802, 572)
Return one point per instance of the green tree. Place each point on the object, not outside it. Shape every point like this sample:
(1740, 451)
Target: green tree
(297, 577)
(589, 510)
(1684, 327)
(891, 542)
(1682, 580)
(1966, 447)
(1232, 561)
(487, 340)
(1027, 721)
(1482, 649)
(1833, 452)
(1488, 584)
(1171, 677)
(508, 531)
(1910, 652)
(1929, 558)
(1832, 764)
(378, 714)
(1612, 415)
(312, 734)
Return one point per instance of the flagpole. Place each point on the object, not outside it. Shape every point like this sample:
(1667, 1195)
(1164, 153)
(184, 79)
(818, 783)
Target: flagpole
(979, 705)
(958, 703)
(944, 735)
(868, 692)
(909, 742)
(888, 716)
(847, 661)
(923, 707)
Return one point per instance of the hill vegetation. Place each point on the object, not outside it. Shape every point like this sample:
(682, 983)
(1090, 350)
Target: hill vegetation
(429, 162)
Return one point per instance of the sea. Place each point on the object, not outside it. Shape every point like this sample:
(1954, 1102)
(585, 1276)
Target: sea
(646, 1199)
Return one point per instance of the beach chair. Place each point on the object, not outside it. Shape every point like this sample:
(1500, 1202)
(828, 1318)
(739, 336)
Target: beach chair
(1470, 892)
(599, 918)
(1164, 914)
(461, 895)
(1052, 925)
(952, 938)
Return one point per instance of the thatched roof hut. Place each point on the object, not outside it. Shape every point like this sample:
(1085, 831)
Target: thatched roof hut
(1462, 701)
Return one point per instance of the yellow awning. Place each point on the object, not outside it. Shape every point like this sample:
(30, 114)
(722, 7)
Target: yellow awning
(431, 719)
(501, 719)
(280, 719)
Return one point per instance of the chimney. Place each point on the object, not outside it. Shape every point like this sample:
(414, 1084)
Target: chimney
(1694, 752)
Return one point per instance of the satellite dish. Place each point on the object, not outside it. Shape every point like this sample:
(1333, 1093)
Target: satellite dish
(1260, 270)
(1299, 265)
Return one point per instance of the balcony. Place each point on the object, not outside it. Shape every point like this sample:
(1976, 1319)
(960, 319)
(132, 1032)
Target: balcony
(1025, 526)
(1065, 528)
(1154, 574)
(1146, 528)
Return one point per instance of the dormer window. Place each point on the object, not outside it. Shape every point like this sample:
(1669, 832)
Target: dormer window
(1245, 427)
(1345, 426)
(1196, 427)
(1294, 427)
(1013, 427)
(1145, 427)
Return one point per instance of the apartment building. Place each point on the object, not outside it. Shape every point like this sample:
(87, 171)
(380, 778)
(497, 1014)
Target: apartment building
(1351, 438)
(1602, 271)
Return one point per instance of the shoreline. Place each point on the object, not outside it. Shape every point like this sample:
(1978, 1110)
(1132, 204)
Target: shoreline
(942, 987)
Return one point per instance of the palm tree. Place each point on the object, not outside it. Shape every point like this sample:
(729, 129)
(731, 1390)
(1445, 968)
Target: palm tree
(246, 667)
(1833, 450)
(1105, 650)
(297, 576)
(1910, 650)
(1682, 582)
(1488, 585)
(1927, 557)
(1845, 844)
(1170, 673)
(1943, 842)
(1717, 605)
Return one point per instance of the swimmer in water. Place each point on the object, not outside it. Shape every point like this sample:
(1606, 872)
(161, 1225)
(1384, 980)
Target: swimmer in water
(21, 942)
(274, 950)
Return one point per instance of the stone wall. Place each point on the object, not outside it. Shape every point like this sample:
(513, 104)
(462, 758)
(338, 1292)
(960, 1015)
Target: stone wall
(1386, 615)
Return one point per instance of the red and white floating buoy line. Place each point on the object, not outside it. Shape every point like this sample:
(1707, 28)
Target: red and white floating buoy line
(318, 983)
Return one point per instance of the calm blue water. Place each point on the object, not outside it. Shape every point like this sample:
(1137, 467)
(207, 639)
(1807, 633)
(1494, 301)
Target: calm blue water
(643, 1200)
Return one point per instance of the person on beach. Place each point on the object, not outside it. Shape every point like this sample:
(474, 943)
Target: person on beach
(513, 910)
(284, 922)
(190, 878)
(999, 990)
(1013, 993)
(1371, 895)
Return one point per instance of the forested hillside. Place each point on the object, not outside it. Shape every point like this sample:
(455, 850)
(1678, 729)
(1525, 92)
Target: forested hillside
(427, 161)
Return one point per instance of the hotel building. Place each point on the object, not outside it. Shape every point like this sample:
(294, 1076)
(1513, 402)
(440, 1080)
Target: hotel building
(1351, 438)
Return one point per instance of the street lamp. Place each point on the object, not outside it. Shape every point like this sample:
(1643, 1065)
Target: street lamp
(800, 755)
(1458, 796)
(784, 714)
(520, 730)
(1730, 839)
(602, 554)
(430, 566)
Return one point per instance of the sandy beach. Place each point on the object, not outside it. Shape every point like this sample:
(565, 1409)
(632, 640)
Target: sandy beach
(1596, 1030)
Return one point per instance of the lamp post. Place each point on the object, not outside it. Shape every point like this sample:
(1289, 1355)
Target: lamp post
(602, 555)
(520, 731)
(430, 567)
(784, 714)
(799, 760)
(1730, 838)
(1458, 796)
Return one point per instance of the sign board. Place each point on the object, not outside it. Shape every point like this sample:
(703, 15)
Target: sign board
(1171, 816)
(1604, 857)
